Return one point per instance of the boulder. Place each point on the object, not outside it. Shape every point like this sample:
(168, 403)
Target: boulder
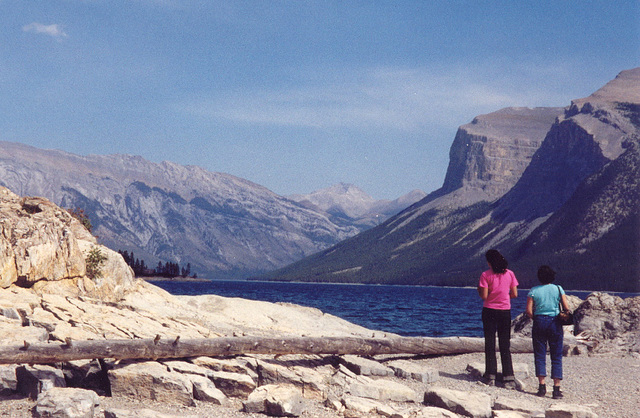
(509, 414)
(275, 400)
(33, 380)
(151, 380)
(141, 413)
(409, 370)
(204, 390)
(310, 380)
(357, 407)
(562, 410)
(8, 379)
(382, 390)
(364, 366)
(610, 321)
(435, 412)
(524, 407)
(234, 385)
(472, 404)
(67, 403)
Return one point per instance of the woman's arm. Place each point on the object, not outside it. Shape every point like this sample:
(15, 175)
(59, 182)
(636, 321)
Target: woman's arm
(483, 292)
(529, 309)
(513, 292)
(565, 302)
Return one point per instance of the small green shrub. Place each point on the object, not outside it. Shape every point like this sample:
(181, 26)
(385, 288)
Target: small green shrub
(94, 260)
(81, 215)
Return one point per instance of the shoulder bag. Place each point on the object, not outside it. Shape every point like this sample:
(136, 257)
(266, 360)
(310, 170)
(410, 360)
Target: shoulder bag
(565, 316)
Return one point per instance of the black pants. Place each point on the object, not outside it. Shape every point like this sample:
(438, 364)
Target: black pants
(497, 321)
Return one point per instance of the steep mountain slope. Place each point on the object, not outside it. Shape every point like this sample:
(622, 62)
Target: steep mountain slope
(441, 239)
(220, 224)
(348, 202)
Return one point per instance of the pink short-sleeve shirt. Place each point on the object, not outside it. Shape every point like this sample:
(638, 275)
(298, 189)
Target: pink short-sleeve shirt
(499, 286)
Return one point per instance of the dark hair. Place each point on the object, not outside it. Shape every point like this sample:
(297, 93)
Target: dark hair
(498, 263)
(546, 274)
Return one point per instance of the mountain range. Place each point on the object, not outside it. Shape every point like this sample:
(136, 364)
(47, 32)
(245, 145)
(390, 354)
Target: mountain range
(221, 225)
(555, 186)
(347, 202)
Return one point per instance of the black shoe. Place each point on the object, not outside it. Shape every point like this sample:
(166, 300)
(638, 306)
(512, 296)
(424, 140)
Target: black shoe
(556, 393)
(489, 379)
(542, 390)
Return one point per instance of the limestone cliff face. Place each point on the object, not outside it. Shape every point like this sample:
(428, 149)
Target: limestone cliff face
(491, 153)
(40, 243)
(572, 203)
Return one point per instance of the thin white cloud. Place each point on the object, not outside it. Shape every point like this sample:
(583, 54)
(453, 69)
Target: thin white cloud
(409, 100)
(54, 30)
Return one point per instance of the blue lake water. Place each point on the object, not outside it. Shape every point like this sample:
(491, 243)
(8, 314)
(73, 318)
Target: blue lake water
(404, 310)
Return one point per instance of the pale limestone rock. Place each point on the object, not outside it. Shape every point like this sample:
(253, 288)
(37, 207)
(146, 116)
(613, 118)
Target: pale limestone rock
(383, 390)
(32, 380)
(310, 376)
(234, 315)
(185, 367)
(284, 401)
(435, 412)
(12, 332)
(141, 413)
(151, 380)
(67, 403)
(233, 385)
(409, 370)
(474, 404)
(364, 366)
(509, 414)
(357, 407)
(275, 400)
(526, 407)
(563, 410)
(204, 390)
(8, 380)
(610, 322)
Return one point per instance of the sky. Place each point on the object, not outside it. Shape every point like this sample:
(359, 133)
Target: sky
(296, 95)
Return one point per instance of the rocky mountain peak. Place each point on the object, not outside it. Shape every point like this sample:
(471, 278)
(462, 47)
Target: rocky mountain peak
(491, 153)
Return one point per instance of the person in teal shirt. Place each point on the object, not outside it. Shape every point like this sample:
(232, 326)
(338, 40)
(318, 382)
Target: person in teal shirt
(543, 306)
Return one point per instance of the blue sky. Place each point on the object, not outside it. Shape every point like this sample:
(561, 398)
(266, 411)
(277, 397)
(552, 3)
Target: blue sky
(296, 95)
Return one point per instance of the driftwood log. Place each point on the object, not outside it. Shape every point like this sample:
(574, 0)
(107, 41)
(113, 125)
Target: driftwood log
(161, 348)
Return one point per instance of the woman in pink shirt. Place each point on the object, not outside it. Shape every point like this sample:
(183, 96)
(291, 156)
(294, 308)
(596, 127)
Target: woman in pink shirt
(496, 288)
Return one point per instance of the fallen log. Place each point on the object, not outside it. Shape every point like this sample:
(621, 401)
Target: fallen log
(160, 348)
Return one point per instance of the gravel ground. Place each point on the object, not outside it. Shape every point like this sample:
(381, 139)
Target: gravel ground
(609, 385)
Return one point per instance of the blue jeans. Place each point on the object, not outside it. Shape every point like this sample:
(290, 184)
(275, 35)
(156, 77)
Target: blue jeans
(494, 322)
(547, 330)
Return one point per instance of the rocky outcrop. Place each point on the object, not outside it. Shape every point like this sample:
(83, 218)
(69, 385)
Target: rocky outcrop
(41, 243)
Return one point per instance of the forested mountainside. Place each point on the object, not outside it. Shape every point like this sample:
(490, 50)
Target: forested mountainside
(571, 202)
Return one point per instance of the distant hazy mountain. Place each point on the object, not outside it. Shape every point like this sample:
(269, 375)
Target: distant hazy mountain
(222, 225)
(545, 186)
(347, 202)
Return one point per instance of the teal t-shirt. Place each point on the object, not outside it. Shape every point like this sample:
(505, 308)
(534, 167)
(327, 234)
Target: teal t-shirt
(546, 299)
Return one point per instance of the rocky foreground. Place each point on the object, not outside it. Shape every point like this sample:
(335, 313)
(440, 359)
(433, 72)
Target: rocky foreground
(47, 297)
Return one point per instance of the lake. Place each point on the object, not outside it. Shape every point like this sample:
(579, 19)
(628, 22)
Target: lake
(404, 310)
